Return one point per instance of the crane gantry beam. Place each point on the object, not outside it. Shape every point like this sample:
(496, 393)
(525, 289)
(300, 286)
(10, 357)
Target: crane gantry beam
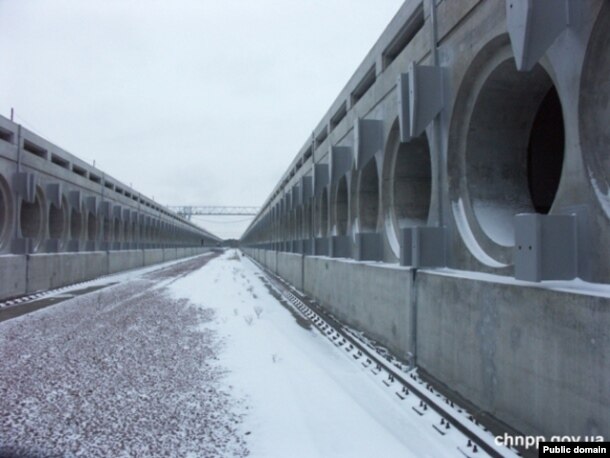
(187, 211)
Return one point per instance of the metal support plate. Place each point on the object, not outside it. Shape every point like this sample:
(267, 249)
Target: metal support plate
(423, 246)
(545, 247)
(340, 162)
(533, 26)
(369, 246)
(425, 96)
(340, 246)
(369, 140)
(404, 118)
(24, 184)
(320, 178)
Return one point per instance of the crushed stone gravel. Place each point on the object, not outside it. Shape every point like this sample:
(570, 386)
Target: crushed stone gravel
(127, 371)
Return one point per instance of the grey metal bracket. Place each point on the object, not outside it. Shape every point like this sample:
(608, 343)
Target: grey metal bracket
(369, 246)
(54, 194)
(340, 246)
(322, 246)
(21, 246)
(73, 246)
(369, 140)
(106, 209)
(533, 26)
(341, 159)
(117, 211)
(426, 98)
(25, 184)
(423, 246)
(306, 188)
(296, 196)
(307, 246)
(404, 116)
(91, 204)
(320, 178)
(75, 199)
(297, 246)
(52, 246)
(545, 247)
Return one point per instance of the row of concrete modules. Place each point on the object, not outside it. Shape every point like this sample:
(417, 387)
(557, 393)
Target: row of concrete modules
(531, 356)
(26, 274)
(51, 201)
(457, 137)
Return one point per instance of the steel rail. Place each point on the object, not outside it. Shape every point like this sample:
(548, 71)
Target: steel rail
(335, 331)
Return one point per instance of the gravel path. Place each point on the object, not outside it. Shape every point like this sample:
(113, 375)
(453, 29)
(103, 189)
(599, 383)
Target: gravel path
(121, 372)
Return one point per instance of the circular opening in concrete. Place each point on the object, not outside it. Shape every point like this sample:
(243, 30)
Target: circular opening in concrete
(299, 224)
(407, 185)
(594, 108)
(5, 213)
(324, 213)
(368, 197)
(117, 230)
(76, 224)
(291, 225)
(107, 230)
(545, 152)
(514, 149)
(412, 182)
(31, 220)
(58, 223)
(307, 220)
(341, 207)
(91, 227)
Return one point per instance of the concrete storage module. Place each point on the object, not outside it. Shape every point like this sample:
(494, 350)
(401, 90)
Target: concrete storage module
(63, 221)
(472, 144)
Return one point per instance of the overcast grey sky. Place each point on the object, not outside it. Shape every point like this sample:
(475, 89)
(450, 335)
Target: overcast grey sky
(191, 101)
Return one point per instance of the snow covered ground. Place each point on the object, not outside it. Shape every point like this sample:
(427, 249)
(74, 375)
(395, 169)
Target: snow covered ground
(203, 364)
(306, 398)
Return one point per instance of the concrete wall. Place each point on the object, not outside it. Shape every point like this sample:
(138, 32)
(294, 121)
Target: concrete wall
(153, 257)
(12, 275)
(370, 297)
(27, 274)
(169, 254)
(270, 259)
(290, 267)
(370, 170)
(124, 260)
(48, 271)
(532, 357)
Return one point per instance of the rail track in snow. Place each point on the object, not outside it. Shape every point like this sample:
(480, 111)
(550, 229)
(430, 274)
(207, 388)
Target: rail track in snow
(419, 397)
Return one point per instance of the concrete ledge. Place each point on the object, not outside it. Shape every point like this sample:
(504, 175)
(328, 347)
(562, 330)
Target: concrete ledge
(290, 267)
(20, 274)
(528, 355)
(169, 254)
(48, 271)
(531, 357)
(124, 260)
(270, 259)
(154, 256)
(12, 275)
(370, 297)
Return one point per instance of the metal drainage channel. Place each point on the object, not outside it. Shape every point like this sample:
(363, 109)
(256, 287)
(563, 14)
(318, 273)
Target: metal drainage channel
(371, 357)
